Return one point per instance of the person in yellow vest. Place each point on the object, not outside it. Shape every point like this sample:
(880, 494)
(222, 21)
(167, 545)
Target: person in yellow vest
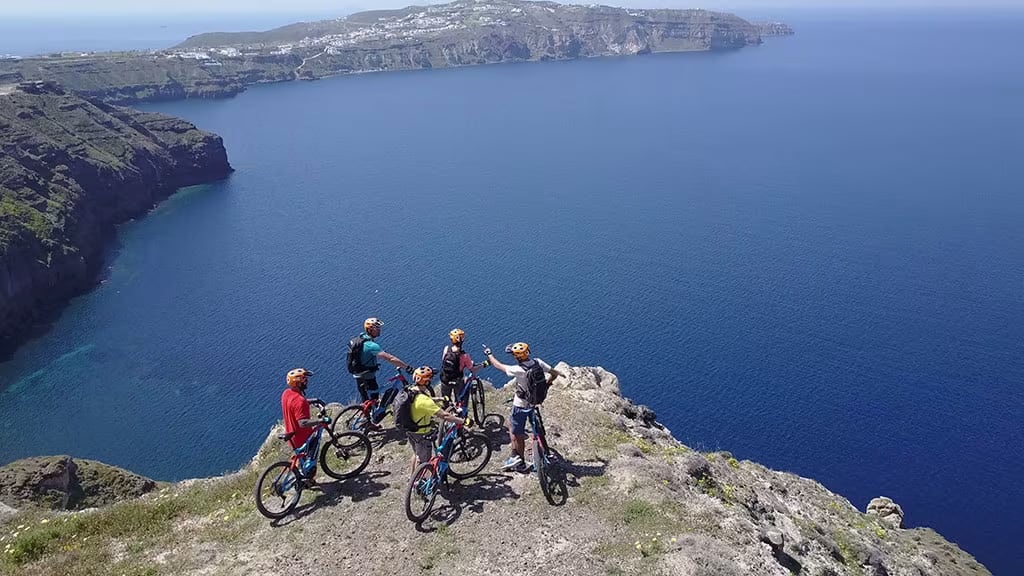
(423, 411)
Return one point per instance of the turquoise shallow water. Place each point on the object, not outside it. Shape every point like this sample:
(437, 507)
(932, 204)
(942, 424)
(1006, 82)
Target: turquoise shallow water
(809, 253)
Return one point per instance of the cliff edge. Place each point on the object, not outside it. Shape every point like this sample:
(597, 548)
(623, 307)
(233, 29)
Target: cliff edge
(639, 503)
(70, 169)
(460, 33)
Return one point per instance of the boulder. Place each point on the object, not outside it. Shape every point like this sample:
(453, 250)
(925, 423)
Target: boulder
(64, 483)
(888, 512)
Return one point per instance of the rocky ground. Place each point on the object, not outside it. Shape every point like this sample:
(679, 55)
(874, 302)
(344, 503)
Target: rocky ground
(65, 483)
(639, 503)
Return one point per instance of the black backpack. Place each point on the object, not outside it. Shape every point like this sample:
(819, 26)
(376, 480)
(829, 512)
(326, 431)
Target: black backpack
(536, 382)
(450, 364)
(402, 409)
(355, 355)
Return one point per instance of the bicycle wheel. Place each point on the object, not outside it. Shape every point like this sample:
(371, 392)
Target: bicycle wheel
(278, 490)
(551, 476)
(476, 398)
(346, 455)
(469, 454)
(352, 419)
(423, 488)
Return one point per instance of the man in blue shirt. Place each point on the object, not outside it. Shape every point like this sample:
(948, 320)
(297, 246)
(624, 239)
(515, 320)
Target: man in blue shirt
(365, 364)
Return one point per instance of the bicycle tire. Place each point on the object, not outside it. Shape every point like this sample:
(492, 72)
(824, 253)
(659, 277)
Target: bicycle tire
(348, 448)
(476, 398)
(271, 477)
(466, 447)
(424, 478)
(551, 477)
(354, 418)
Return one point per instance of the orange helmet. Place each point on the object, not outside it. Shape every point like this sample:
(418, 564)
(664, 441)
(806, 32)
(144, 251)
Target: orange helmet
(458, 336)
(372, 323)
(423, 375)
(521, 350)
(298, 377)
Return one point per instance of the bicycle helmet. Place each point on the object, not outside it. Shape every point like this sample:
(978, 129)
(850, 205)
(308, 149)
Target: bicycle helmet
(521, 350)
(458, 336)
(298, 377)
(372, 323)
(423, 375)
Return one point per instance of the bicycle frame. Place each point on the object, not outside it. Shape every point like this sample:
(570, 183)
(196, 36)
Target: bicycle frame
(375, 410)
(462, 405)
(302, 456)
(539, 437)
(440, 459)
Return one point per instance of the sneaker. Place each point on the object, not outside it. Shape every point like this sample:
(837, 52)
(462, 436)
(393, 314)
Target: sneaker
(524, 468)
(513, 462)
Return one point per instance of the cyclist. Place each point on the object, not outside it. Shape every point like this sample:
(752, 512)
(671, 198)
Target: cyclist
(521, 407)
(295, 409)
(363, 355)
(423, 410)
(454, 363)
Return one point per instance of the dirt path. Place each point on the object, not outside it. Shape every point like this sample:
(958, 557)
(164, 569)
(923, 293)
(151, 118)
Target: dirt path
(307, 59)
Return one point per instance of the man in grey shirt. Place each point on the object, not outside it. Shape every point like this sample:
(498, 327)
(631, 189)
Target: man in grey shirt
(521, 406)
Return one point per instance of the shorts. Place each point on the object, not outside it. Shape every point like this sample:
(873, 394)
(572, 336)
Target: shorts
(519, 418)
(367, 386)
(422, 446)
(453, 389)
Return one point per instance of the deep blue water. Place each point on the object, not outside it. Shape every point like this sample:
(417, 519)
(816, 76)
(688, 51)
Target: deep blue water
(809, 253)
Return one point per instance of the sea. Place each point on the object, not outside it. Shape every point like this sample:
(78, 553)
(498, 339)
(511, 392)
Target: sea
(809, 253)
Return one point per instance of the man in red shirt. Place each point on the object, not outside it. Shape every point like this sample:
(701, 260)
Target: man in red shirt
(295, 409)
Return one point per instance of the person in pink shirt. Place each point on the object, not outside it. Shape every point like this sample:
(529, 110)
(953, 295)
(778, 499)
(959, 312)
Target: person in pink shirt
(454, 363)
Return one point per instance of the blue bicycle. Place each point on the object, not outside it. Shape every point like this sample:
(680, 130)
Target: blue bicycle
(461, 454)
(345, 455)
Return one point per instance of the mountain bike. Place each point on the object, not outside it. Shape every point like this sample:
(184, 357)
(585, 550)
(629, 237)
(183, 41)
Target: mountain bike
(362, 417)
(547, 463)
(476, 399)
(280, 486)
(475, 387)
(460, 454)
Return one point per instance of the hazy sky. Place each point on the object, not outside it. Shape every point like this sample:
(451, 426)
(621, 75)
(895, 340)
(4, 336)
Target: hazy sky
(56, 7)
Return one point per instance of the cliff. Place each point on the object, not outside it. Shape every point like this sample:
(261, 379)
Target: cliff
(71, 169)
(65, 483)
(639, 502)
(460, 33)
(773, 28)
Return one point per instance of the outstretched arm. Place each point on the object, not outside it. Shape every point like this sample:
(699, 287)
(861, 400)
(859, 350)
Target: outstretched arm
(305, 420)
(449, 417)
(393, 359)
(552, 374)
(497, 364)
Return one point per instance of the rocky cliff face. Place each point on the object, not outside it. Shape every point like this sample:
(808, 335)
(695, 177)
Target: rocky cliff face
(460, 33)
(64, 483)
(774, 29)
(136, 77)
(70, 169)
(639, 503)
